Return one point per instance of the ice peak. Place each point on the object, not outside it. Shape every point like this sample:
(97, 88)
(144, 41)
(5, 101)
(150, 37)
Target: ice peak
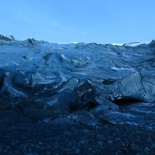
(7, 38)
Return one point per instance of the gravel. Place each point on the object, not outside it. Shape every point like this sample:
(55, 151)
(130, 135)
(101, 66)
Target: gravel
(26, 137)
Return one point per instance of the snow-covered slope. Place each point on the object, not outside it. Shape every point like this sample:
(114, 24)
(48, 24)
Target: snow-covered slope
(76, 76)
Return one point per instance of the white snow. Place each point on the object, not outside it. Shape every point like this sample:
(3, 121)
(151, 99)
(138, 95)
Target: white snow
(136, 43)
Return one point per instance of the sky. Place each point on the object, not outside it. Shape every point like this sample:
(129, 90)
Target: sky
(99, 21)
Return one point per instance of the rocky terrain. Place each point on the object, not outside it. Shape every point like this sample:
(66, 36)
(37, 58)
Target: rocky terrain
(76, 98)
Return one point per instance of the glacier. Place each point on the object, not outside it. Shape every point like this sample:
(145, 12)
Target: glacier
(78, 82)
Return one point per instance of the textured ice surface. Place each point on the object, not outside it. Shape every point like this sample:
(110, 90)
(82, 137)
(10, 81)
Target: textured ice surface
(135, 87)
(76, 77)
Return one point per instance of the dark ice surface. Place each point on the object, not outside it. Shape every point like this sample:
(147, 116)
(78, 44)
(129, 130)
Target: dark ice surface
(76, 98)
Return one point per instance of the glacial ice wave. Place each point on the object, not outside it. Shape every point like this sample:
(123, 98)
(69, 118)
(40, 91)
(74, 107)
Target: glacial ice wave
(81, 82)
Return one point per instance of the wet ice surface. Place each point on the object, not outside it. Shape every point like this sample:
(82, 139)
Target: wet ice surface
(79, 82)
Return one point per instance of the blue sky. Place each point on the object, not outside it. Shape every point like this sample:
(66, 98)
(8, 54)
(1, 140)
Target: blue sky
(100, 21)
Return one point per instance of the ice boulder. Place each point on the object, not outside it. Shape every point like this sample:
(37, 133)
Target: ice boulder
(134, 87)
(149, 87)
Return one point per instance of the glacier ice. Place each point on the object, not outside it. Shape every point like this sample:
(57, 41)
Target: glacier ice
(72, 79)
(134, 87)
